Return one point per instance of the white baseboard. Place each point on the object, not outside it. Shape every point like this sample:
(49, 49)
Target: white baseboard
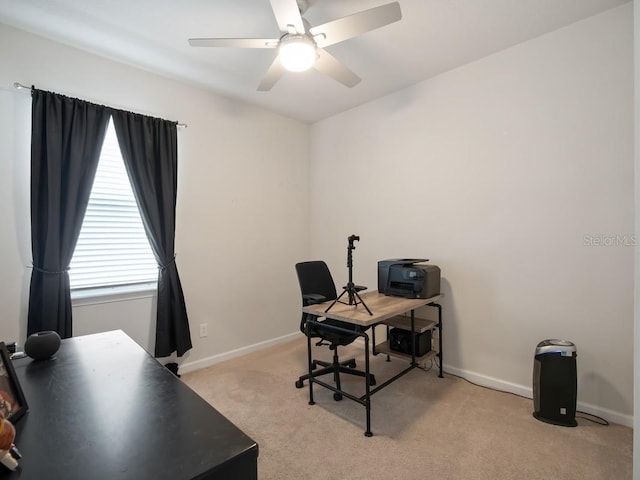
(473, 377)
(527, 392)
(238, 352)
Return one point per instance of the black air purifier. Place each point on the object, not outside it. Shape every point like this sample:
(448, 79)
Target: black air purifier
(555, 383)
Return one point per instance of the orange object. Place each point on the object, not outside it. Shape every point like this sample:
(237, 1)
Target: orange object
(7, 448)
(7, 434)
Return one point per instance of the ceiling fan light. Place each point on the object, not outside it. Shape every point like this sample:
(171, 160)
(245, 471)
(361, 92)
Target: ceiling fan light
(297, 53)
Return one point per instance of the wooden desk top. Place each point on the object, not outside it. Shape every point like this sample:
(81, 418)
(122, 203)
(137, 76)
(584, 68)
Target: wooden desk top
(382, 307)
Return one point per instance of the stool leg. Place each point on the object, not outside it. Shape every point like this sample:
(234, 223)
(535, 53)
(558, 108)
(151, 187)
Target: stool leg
(336, 375)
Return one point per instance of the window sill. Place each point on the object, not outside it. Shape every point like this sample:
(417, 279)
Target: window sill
(92, 296)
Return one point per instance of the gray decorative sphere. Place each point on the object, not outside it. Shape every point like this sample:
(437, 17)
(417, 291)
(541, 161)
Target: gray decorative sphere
(42, 345)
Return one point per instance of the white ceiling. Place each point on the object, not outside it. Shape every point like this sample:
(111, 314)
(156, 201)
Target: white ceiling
(433, 36)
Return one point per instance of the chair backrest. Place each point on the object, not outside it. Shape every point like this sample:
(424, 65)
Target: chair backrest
(315, 278)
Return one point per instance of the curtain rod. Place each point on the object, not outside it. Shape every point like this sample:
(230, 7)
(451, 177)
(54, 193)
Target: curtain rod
(19, 86)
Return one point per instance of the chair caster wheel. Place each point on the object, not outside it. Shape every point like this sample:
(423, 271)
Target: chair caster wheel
(299, 384)
(352, 363)
(372, 381)
(337, 397)
(314, 366)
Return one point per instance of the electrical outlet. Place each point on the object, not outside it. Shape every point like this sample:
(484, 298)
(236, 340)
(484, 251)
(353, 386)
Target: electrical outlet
(204, 329)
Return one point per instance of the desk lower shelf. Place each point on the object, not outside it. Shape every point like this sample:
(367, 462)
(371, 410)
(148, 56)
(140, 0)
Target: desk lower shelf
(386, 350)
(404, 322)
(421, 325)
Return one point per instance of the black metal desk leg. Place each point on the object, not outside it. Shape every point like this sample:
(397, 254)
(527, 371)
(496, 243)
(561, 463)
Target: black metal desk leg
(413, 338)
(309, 361)
(440, 338)
(367, 387)
(388, 357)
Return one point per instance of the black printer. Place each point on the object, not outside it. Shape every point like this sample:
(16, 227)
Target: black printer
(402, 277)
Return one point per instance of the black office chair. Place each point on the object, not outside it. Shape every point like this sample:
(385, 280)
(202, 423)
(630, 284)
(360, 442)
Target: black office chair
(317, 286)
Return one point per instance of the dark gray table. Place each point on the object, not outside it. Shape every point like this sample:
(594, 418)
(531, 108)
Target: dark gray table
(103, 408)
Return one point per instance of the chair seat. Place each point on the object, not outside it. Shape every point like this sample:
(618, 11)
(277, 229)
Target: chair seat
(333, 337)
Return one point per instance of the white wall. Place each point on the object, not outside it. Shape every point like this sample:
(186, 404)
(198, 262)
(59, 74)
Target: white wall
(497, 171)
(636, 323)
(241, 213)
(15, 242)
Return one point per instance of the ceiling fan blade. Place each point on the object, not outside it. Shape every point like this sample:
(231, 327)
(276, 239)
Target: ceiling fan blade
(348, 27)
(287, 13)
(274, 73)
(234, 42)
(331, 66)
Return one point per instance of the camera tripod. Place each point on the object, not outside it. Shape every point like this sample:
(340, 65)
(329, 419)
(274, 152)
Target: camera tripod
(351, 289)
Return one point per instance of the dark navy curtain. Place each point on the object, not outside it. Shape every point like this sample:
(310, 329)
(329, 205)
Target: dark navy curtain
(66, 140)
(150, 151)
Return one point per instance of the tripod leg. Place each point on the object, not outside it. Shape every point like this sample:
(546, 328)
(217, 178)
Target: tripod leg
(334, 302)
(362, 302)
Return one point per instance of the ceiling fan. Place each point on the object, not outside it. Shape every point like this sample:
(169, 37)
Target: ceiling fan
(301, 46)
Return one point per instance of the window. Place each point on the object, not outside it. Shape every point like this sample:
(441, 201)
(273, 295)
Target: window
(112, 248)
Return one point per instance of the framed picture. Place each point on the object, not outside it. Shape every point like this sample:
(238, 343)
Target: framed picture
(12, 402)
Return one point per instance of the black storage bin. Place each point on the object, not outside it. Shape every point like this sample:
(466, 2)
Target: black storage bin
(555, 383)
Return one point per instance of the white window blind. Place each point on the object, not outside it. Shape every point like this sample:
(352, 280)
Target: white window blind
(112, 249)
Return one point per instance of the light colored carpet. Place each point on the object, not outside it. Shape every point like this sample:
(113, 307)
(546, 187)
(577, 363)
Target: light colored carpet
(424, 427)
